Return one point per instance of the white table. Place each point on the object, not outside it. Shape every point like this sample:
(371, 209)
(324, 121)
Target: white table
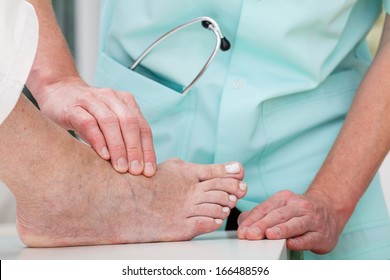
(219, 245)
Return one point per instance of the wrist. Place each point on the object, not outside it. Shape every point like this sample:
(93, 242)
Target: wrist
(341, 205)
(41, 85)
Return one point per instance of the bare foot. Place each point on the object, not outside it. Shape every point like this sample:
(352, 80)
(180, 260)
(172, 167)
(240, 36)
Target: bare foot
(181, 201)
(66, 195)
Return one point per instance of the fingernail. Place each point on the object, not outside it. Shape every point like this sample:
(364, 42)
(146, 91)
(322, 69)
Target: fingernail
(149, 169)
(105, 153)
(243, 186)
(136, 166)
(295, 241)
(121, 165)
(225, 209)
(232, 168)
(255, 230)
(232, 198)
(276, 230)
(218, 221)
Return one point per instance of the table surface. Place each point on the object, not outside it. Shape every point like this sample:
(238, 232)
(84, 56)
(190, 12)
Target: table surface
(219, 245)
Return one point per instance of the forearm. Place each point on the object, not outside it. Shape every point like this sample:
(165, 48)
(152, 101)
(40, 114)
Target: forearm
(36, 153)
(53, 61)
(363, 141)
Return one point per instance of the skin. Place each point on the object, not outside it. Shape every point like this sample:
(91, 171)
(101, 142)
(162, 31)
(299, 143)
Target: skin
(314, 221)
(67, 196)
(109, 120)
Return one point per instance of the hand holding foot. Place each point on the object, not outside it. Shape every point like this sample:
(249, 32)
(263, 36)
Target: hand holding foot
(66, 195)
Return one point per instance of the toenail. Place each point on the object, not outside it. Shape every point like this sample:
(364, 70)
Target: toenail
(225, 209)
(243, 186)
(232, 198)
(232, 168)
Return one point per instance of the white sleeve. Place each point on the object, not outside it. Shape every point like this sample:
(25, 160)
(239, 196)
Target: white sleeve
(19, 40)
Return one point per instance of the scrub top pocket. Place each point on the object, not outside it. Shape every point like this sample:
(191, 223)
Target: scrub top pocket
(169, 113)
(301, 129)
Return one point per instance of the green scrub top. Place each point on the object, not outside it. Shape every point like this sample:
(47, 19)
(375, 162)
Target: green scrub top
(275, 101)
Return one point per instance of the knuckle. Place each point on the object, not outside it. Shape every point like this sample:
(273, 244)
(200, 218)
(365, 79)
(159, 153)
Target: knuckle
(281, 214)
(117, 148)
(86, 122)
(285, 193)
(133, 151)
(84, 99)
(306, 205)
(301, 223)
(130, 98)
(261, 210)
(108, 118)
(105, 91)
(146, 130)
(131, 120)
(94, 139)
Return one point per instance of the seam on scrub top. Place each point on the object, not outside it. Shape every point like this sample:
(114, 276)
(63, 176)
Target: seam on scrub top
(320, 95)
(263, 152)
(322, 90)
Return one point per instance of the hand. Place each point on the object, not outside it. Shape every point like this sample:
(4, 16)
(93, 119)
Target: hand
(110, 121)
(308, 222)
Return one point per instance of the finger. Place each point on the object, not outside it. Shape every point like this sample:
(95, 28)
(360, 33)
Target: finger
(295, 226)
(279, 223)
(311, 241)
(148, 151)
(211, 171)
(280, 216)
(132, 138)
(110, 126)
(130, 127)
(261, 210)
(256, 215)
(85, 125)
(242, 216)
(149, 154)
